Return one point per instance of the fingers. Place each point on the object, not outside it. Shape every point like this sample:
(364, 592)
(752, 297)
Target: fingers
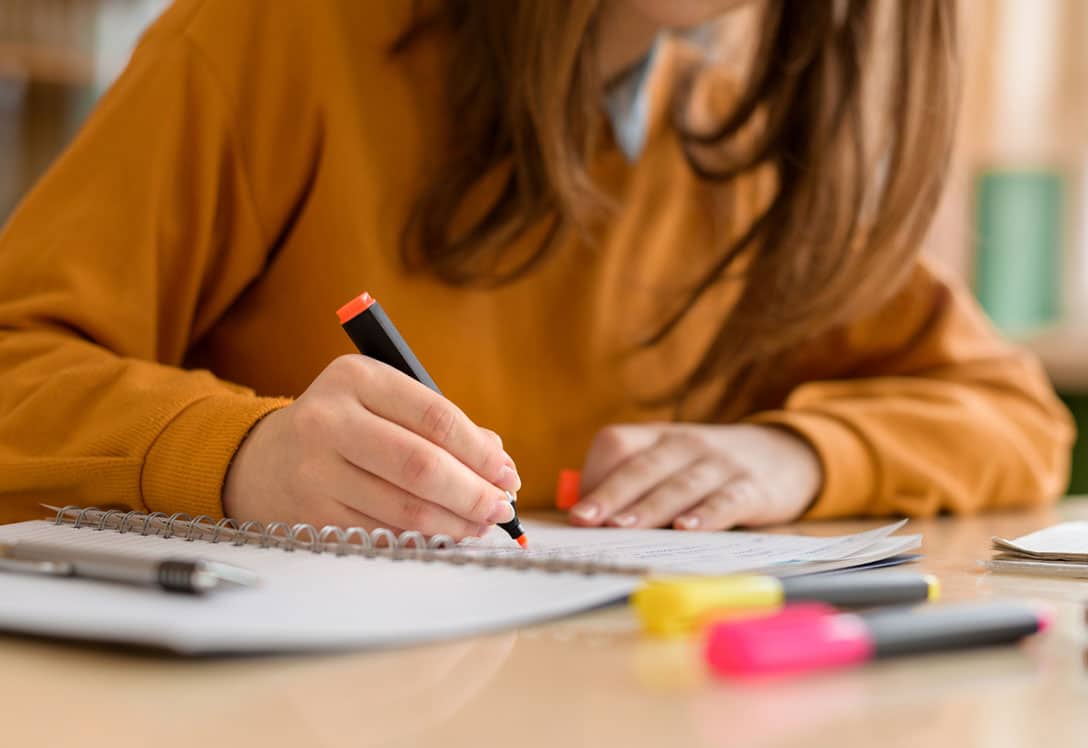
(388, 393)
(421, 469)
(677, 493)
(634, 478)
(394, 508)
(493, 436)
(373, 502)
(612, 447)
(661, 476)
(738, 502)
(332, 513)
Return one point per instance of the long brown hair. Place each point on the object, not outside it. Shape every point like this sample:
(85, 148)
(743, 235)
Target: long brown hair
(855, 105)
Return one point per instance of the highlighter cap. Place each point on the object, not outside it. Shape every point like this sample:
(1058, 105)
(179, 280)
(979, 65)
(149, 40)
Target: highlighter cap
(798, 639)
(568, 489)
(675, 606)
(355, 307)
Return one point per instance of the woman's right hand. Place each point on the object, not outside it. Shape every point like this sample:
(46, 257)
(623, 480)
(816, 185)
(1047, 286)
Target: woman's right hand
(368, 446)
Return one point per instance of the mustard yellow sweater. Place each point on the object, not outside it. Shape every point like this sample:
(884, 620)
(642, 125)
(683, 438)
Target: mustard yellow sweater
(175, 277)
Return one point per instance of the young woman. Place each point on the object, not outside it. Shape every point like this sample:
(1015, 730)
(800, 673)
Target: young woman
(689, 265)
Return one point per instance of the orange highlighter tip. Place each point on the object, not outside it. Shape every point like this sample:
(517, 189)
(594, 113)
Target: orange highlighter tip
(523, 541)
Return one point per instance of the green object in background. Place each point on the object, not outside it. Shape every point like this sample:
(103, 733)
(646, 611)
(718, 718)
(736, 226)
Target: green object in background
(1019, 245)
(1078, 405)
(1018, 222)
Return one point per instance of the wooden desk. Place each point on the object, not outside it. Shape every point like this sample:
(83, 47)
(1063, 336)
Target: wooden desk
(586, 681)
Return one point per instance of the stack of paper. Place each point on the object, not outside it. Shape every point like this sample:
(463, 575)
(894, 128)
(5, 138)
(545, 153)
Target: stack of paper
(668, 552)
(1061, 550)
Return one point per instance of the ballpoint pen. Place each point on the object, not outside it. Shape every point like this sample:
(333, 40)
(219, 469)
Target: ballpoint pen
(175, 575)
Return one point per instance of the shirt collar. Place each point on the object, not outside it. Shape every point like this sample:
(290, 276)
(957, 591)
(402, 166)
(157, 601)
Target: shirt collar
(627, 100)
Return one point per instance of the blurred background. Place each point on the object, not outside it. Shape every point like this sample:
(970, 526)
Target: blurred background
(1014, 222)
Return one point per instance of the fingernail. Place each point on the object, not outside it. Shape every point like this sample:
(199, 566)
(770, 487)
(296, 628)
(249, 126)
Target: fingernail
(503, 511)
(689, 522)
(623, 520)
(585, 512)
(508, 479)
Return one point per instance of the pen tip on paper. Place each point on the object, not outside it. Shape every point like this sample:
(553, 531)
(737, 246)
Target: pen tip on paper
(523, 541)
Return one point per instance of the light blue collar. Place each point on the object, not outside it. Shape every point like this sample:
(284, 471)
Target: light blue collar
(627, 101)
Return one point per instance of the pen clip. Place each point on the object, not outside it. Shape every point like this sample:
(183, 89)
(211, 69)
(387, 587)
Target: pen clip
(48, 568)
(229, 574)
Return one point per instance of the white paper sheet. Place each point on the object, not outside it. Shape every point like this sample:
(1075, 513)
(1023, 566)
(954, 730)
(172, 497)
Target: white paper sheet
(1065, 541)
(671, 552)
(307, 601)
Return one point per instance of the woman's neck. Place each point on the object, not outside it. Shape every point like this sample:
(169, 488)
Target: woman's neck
(625, 36)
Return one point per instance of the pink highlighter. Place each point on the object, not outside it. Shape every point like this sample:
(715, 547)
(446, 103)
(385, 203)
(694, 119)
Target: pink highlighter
(802, 638)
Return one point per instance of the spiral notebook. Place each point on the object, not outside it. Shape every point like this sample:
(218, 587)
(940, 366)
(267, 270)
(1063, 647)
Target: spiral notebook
(347, 588)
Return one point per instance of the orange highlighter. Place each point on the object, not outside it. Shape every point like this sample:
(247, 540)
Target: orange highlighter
(375, 335)
(568, 490)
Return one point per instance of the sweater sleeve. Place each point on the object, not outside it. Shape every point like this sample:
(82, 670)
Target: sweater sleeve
(137, 240)
(928, 410)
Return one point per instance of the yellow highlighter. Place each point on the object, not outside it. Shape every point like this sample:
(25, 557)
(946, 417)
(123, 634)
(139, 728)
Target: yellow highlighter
(671, 606)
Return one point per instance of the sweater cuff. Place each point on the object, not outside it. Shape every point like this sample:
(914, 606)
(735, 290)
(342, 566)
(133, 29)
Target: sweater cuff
(849, 471)
(185, 468)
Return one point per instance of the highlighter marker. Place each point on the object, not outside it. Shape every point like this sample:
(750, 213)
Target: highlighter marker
(568, 489)
(669, 606)
(814, 636)
(375, 335)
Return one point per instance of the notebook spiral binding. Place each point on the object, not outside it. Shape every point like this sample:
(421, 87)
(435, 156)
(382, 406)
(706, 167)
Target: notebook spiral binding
(339, 541)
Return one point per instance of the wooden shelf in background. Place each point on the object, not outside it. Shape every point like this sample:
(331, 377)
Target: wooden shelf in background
(61, 65)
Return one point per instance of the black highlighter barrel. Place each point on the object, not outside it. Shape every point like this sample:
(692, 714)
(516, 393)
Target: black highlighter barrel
(860, 590)
(957, 627)
(513, 528)
(375, 335)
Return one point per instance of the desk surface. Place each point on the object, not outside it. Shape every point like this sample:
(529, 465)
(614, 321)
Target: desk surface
(592, 680)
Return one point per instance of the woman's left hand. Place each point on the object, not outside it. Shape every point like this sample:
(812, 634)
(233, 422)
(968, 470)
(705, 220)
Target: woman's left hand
(696, 477)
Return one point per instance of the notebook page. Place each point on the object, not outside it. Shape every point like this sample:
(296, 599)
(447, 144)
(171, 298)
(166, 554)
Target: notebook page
(305, 601)
(885, 548)
(1065, 541)
(671, 552)
(310, 601)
